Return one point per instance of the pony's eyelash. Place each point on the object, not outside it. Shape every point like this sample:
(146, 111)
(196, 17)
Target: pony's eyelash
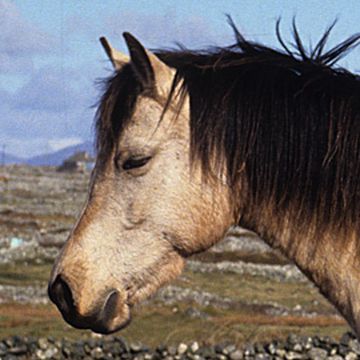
(135, 162)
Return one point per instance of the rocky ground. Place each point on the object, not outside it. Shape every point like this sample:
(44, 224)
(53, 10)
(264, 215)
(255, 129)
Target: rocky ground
(240, 291)
(293, 348)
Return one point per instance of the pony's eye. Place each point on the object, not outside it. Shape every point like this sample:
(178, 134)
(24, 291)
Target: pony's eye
(133, 163)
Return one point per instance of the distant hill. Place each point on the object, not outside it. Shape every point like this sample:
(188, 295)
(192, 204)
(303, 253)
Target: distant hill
(56, 158)
(11, 159)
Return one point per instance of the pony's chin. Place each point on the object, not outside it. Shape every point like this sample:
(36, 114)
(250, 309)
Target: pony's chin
(114, 322)
(104, 324)
(114, 326)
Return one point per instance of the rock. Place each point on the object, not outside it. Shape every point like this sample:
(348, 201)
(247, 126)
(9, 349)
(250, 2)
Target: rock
(271, 348)
(9, 342)
(196, 313)
(194, 347)
(117, 349)
(219, 348)
(293, 339)
(87, 349)
(228, 349)
(259, 348)
(160, 349)
(221, 357)
(249, 350)
(40, 354)
(135, 347)
(236, 355)
(326, 343)
(342, 350)
(280, 352)
(126, 356)
(354, 346)
(122, 343)
(11, 357)
(18, 350)
(291, 355)
(307, 343)
(111, 348)
(317, 354)
(172, 350)
(351, 356)
(3, 352)
(346, 338)
(97, 353)
(78, 350)
(262, 357)
(207, 352)
(43, 343)
(138, 357)
(51, 352)
(66, 352)
(182, 348)
(316, 342)
(51, 339)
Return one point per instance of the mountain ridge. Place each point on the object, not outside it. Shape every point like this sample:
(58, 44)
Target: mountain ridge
(55, 158)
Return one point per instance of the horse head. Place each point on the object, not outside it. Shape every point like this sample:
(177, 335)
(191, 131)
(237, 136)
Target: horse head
(147, 208)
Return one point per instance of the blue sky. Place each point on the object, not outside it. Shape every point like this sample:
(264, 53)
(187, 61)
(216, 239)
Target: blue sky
(50, 57)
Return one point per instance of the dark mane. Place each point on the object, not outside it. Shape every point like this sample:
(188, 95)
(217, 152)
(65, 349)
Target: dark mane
(285, 122)
(115, 109)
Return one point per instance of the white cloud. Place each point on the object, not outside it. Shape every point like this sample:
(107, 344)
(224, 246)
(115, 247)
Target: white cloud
(53, 104)
(29, 147)
(50, 89)
(20, 40)
(167, 29)
(24, 148)
(58, 144)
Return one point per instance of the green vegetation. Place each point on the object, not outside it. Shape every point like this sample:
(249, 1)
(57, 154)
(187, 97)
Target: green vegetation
(155, 322)
(40, 203)
(246, 289)
(23, 275)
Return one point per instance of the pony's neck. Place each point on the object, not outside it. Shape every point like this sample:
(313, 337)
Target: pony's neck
(327, 257)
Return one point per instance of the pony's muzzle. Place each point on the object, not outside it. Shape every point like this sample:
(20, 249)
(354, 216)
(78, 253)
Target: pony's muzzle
(112, 313)
(61, 295)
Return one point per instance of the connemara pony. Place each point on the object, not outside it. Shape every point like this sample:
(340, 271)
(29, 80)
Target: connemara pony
(191, 142)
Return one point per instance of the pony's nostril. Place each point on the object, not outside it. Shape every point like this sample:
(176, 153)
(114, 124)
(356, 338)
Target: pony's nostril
(103, 317)
(60, 294)
(110, 308)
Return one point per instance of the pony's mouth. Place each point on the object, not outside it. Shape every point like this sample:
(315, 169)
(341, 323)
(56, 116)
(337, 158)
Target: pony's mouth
(109, 310)
(139, 290)
(110, 313)
(114, 317)
(107, 321)
(106, 329)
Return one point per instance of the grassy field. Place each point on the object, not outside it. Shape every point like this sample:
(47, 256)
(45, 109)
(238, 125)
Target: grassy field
(154, 325)
(40, 204)
(246, 320)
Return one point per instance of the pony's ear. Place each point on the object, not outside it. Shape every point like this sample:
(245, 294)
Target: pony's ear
(140, 60)
(151, 71)
(117, 58)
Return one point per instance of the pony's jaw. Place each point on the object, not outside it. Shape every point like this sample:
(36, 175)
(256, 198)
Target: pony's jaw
(108, 314)
(139, 222)
(99, 295)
